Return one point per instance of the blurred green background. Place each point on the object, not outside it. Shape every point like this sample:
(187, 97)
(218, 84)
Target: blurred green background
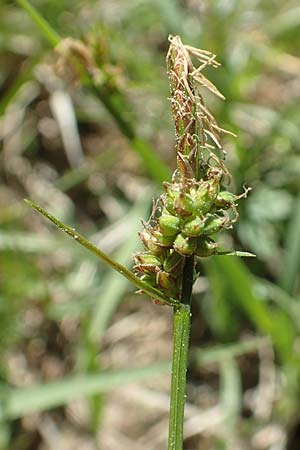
(86, 131)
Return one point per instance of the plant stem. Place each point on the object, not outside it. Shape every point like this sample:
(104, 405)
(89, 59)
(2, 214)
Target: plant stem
(187, 281)
(182, 320)
(182, 325)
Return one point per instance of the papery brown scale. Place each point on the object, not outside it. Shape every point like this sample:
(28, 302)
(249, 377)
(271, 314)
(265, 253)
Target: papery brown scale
(183, 104)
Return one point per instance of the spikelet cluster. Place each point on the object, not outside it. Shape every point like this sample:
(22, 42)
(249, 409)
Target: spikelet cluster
(195, 205)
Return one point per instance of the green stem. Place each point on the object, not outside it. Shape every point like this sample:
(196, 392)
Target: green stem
(182, 321)
(182, 326)
(187, 281)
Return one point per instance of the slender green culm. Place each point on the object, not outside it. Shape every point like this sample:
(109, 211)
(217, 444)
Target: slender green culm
(182, 323)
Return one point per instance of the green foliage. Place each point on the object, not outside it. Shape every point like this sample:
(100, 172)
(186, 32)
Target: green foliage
(44, 275)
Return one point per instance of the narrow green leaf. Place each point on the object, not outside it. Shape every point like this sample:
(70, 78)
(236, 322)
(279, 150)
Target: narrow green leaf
(220, 312)
(50, 34)
(216, 354)
(271, 292)
(285, 20)
(234, 274)
(27, 242)
(231, 394)
(21, 401)
(236, 278)
(156, 167)
(154, 293)
(112, 286)
(236, 253)
(291, 261)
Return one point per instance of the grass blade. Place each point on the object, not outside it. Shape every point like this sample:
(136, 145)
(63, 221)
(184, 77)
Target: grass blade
(236, 253)
(231, 395)
(234, 275)
(291, 262)
(154, 293)
(50, 34)
(21, 401)
(112, 286)
(216, 354)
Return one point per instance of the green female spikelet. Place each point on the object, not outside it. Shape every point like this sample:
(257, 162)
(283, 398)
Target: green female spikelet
(195, 206)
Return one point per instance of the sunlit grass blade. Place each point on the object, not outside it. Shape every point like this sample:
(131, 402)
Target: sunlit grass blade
(216, 354)
(230, 395)
(154, 293)
(50, 34)
(17, 241)
(235, 275)
(21, 401)
(155, 166)
(236, 253)
(290, 305)
(116, 105)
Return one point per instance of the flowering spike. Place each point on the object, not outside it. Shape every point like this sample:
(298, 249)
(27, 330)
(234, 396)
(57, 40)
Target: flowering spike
(196, 204)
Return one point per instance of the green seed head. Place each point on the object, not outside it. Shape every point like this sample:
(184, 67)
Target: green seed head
(203, 201)
(173, 262)
(150, 242)
(206, 247)
(169, 225)
(193, 227)
(149, 278)
(184, 245)
(214, 224)
(166, 282)
(226, 199)
(194, 205)
(146, 263)
(170, 197)
(161, 240)
(184, 204)
(147, 258)
(178, 201)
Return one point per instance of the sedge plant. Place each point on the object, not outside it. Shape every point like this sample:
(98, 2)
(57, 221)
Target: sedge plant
(193, 208)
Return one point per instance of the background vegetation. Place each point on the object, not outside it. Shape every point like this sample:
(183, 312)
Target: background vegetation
(84, 361)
